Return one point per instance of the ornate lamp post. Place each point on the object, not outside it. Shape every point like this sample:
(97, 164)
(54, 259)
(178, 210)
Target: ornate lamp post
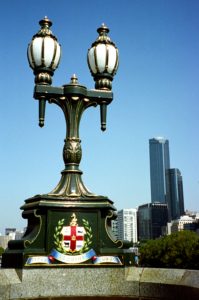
(70, 225)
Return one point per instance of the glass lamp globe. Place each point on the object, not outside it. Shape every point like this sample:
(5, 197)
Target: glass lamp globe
(102, 59)
(44, 53)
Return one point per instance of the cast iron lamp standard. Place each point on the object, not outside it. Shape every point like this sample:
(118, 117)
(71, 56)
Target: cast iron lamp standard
(70, 225)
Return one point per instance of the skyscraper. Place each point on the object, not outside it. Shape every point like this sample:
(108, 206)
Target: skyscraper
(159, 164)
(166, 183)
(176, 198)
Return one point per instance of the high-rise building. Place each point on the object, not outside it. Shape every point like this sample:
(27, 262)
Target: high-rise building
(176, 198)
(159, 164)
(152, 220)
(166, 183)
(127, 224)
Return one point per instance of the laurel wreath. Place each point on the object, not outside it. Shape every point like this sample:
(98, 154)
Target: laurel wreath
(58, 238)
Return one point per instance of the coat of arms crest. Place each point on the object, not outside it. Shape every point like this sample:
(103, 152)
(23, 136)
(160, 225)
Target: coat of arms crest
(72, 239)
(73, 236)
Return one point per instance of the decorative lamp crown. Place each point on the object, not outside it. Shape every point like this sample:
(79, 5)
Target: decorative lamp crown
(102, 59)
(44, 53)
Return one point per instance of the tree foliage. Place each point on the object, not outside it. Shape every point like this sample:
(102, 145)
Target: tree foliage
(1, 250)
(178, 250)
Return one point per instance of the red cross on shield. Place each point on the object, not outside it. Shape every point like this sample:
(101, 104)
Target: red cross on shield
(73, 238)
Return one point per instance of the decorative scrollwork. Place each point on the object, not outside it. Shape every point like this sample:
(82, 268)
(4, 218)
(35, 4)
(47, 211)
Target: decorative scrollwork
(72, 151)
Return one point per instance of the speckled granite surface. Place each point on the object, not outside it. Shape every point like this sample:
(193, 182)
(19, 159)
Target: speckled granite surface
(128, 282)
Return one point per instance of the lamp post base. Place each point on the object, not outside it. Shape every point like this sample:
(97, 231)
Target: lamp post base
(67, 232)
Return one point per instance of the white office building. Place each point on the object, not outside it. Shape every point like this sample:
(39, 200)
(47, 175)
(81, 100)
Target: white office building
(127, 224)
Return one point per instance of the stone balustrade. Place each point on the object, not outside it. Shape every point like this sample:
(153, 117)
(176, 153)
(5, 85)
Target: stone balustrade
(101, 282)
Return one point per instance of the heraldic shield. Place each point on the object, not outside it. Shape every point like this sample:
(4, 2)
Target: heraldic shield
(73, 236)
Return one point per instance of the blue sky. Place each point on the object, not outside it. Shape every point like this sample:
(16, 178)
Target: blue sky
(156, 93)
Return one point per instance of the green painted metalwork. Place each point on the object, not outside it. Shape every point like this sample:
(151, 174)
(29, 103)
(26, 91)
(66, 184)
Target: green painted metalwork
(69, 226)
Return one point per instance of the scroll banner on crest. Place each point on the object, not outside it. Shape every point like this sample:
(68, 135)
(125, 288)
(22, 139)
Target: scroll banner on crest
(67, 259)
(38, 260)
(107, 259)
(72, 259)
